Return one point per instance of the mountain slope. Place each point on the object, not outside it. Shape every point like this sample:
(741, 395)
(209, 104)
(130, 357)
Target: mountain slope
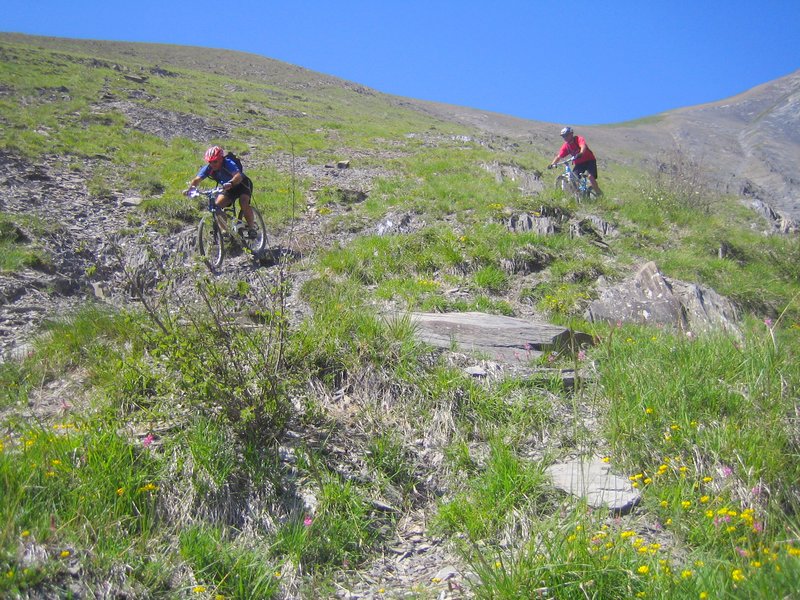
(747, 145)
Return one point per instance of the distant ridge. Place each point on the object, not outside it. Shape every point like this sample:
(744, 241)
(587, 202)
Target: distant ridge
(748, 145)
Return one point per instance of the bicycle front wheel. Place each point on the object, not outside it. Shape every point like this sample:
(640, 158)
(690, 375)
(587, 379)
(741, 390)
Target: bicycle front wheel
(259, 241)
(209, 241)
(566, 185)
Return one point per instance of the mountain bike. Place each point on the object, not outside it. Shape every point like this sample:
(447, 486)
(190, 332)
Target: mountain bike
(578, 186)
(219, 222)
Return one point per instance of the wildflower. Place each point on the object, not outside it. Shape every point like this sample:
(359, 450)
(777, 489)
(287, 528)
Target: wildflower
(435, 580)
(148, 487)
(648, 410)
(277, 574)
(726, 471)
(627, 534)
(704, 499)
(768, 322)
(703, 596)
(25, 533)
(606, 459)
(699, 563)
(148, 440)
(55, 462)
(710, 514)
(199, 589)
(581, 355)
(65, 553)
(308, 521)
(737, 575)
(668, 522)
(498, 564)
(643, 570)
(708, 479)
(686, 573)
(664, 504)
(674, 427)
(686, 504)
(648, 480)
(120, 491)
(755, 564)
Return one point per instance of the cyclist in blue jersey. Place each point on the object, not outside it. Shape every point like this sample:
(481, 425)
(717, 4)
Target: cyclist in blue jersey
(234, 182)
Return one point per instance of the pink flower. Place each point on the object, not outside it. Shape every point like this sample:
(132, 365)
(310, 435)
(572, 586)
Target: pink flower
(148, 440)
(726, 471)
(581, 355)
(308, 521)
(768, 322)
(758, 527)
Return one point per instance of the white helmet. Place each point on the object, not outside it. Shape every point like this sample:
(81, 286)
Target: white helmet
(566, 131)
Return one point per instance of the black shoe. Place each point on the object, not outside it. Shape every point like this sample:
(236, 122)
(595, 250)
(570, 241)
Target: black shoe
(252, 233)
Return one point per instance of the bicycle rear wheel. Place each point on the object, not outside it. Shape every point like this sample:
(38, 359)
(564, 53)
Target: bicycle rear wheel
(259, 242)
(210, 242)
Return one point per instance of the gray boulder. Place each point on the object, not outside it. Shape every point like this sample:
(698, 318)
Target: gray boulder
(651, 298)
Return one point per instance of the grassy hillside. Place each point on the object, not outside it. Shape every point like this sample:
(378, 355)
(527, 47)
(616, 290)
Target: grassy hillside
(270, 432)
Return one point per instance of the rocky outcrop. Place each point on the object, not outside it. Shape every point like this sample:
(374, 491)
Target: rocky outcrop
(506, 339)
(650, 298)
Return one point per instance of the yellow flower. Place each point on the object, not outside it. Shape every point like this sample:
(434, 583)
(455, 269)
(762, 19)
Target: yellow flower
(498, 564)
(627, 534)
(148, 487)
(708, 479)
(120, 491)
(55, 462)
(644, 570)
(686, 573)
(793, 551)
(704, 499)
(606, 459)
(647, 480)
(199, 589)
(703, 595)
(668, 522)
(648, 410)
(278, 574)
(25, 533)
(664, 504)
(699, 563)
(710, 514)
(435, 580)
(755, 564)
(65, 553)
(674, 427)
(686, 504)
(737, 575)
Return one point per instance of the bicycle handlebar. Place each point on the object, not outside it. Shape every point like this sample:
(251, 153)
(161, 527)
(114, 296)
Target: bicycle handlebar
(193, 192)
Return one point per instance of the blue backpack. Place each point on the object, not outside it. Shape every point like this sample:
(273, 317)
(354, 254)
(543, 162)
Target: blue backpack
(236, 161)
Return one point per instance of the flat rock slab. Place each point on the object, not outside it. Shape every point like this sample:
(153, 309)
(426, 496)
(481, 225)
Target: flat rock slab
(589, 477)
(506, 339)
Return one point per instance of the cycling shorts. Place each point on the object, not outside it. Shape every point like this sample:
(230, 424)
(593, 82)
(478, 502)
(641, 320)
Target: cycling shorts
(589, 165)
(244, 187)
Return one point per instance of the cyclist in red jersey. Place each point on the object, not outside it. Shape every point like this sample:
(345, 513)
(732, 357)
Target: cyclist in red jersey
(584, 159)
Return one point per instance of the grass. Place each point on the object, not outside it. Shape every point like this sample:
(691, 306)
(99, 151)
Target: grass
(207, 459)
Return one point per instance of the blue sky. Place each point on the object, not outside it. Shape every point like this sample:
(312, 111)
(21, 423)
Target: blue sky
(581, 62)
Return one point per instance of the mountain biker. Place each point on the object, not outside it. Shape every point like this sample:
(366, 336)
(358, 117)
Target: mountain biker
(234, 182)
(583, 158)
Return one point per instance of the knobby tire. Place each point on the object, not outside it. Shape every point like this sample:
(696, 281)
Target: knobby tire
(210, 242)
